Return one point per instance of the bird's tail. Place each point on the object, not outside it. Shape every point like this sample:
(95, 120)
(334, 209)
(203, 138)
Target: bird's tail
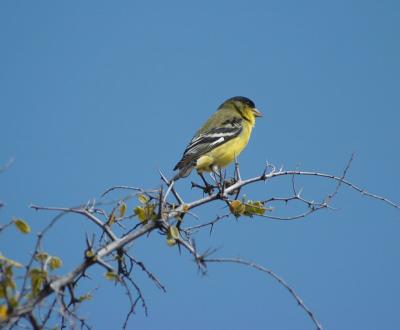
(183, 172)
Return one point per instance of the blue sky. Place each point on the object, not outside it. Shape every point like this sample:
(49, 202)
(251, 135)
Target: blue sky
(100, 93)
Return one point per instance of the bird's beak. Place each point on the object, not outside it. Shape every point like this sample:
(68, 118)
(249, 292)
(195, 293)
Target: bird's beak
(257, 113)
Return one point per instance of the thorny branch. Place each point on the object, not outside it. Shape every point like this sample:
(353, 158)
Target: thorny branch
(276, 277)
(157, 212)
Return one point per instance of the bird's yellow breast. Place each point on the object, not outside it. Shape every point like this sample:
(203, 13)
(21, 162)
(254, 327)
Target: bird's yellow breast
(226, 153)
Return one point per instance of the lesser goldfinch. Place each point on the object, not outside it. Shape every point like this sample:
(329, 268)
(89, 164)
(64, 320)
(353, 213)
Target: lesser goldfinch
(221, 139)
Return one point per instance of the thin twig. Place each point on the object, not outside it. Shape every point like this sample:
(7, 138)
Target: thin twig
(49, 312)
(270, 175)
(3, 227)
(342, 177)
(81, 211)
(149, 274)
(7, 165)
(120, 187)
(273, 275)
(171, 186)
(191, 230)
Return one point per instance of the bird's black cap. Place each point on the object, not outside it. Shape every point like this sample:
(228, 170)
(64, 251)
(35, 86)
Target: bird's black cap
(242, 99)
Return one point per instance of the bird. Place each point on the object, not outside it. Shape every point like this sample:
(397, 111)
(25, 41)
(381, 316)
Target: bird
(221, 139)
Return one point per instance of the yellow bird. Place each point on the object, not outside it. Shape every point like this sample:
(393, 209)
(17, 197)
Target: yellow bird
(221, 139)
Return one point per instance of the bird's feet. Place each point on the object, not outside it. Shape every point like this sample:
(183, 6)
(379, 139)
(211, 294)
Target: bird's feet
(207, 188)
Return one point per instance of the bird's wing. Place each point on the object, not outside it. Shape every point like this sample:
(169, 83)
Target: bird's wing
(203, 142)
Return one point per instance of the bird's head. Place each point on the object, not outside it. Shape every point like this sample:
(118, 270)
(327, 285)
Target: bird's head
(244, 106)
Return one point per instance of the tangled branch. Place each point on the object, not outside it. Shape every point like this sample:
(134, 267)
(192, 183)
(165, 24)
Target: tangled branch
(157, 212)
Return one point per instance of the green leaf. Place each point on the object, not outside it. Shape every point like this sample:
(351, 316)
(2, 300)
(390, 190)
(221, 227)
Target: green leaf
(111, 219)
(10, 283)
(111, 276)
(145, 213)
(89, 253)
(8, 271)
(143, 199)
(36, 272)
(41, 256)
(122, 210)
(7, 282)
(172, 235)
(247, 208)
(237, 208)
(139, 212)
(254, 208)
(13, 301)
(173, 232)
(22, 226)
(55, 262)
(85, 297)
(38, 277)
(171, 241)
(3, 312)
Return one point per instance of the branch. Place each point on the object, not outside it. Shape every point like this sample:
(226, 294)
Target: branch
(171, 187)
(193, 229)
(120, 187)
(81, 211)
(274, 174)
(2, 227)
(149, 274)
(158, 213)
(274, 276)
(56, 285)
